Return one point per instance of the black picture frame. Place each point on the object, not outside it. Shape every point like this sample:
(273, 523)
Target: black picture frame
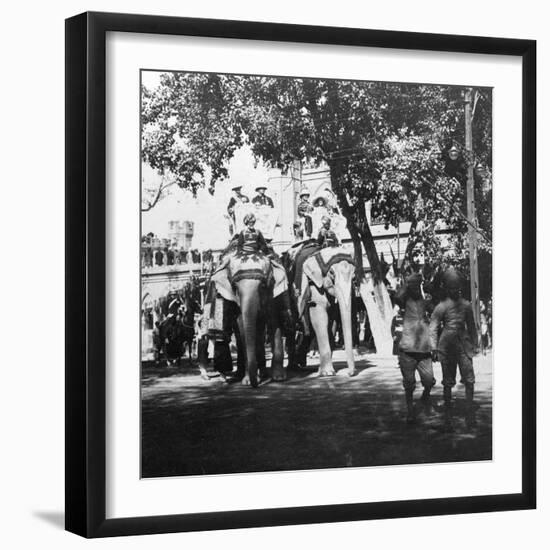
(86, 274)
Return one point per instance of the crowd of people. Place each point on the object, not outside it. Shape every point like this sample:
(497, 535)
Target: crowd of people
(445, 332)
(174, 331)
(167, 254)
(424, 332)
(432, 322)
(238, 198)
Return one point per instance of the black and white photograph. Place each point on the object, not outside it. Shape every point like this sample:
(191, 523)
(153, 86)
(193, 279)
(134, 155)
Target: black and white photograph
(316, 273)
(274, 275)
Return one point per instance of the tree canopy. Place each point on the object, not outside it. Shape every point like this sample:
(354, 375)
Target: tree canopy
(383, 142)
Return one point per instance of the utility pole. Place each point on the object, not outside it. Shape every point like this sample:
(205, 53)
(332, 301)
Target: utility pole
(471, 208)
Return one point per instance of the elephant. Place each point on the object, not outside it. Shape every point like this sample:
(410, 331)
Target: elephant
(258, 285)
(318, 276)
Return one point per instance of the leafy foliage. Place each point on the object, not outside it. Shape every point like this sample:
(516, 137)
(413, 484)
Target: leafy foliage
(386, 143)
(190, 127)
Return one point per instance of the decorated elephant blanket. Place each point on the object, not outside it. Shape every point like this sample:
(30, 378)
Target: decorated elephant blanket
(238, 266)
(316, 270)
(300, 256)
(328, 257)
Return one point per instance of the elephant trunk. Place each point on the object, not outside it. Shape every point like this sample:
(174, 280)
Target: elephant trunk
(249, 294)
(344, 303)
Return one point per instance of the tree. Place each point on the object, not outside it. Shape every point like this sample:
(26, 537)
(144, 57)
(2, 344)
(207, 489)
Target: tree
(383, 142)
(189, 130)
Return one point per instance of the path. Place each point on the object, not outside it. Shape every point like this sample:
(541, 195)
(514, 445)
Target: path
(193, 426)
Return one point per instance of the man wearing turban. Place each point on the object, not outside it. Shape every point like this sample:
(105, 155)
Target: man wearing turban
(250, 239)
(327, 237)
(414, 345)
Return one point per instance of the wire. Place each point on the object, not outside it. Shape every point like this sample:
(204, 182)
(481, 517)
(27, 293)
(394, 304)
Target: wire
(477, 159)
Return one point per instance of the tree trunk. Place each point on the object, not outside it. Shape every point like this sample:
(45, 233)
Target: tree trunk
(379, 309)
(371, 287)
(344, 303)
(411, 243)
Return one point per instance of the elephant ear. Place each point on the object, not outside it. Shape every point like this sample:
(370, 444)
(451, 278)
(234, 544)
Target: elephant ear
(313, 272)
(280, 280)
(304, 296)
(223, 285)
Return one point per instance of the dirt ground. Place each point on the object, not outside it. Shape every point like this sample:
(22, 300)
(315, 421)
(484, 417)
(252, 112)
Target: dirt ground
(196, 426)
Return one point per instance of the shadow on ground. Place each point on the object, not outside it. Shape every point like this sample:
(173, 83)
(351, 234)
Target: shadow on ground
(57, 519)
(196, 426)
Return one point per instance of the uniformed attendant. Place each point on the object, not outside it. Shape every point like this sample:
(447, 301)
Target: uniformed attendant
(453, 337)
(250, 239)
(327, 237)
(261, 199)
(298, 231)
(414, 349)
(237, 198)
(304, 211)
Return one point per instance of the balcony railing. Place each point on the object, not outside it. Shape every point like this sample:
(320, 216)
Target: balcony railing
(158, 259)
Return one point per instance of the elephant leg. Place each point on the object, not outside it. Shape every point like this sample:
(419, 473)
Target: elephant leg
(260, 351)
(294, 335)
(319, 320)
(222, 357)
(332, 335)
(278, 326)
(241, 355)
(277, 370)
(290, 345)
(302, 347)
(343, 292)
(296, 353)
(202, 356)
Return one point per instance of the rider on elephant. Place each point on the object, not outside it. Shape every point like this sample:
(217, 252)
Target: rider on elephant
(327, 237)
(249, 296)
(250, 240)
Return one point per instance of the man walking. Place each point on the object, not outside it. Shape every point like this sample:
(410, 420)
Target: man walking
(414, 343)
(453, 337)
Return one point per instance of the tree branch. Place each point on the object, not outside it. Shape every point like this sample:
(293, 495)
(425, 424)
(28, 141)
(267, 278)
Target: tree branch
(162, 187)
(462, 216)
